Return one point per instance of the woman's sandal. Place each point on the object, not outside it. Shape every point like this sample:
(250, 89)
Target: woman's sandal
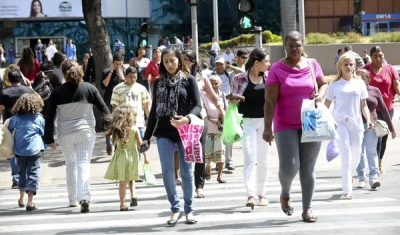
(262, 201)
(221, 181)
(190, 219)
(172, 221)
(250, 202)
(287, 210)
(309, 219)
(178, 181)
(200, 193)
(133, 201)
(20, 204)
(32, 208)
(123, 208)
(208, 177)
(348, 196)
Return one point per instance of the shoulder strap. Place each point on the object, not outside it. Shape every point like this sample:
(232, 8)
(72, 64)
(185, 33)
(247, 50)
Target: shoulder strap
(311, 64)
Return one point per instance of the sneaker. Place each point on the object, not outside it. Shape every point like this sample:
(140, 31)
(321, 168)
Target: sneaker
(229, 167)
(375, 184)
(14, 186)
(110, 150)
(361, 184)
(85, 206)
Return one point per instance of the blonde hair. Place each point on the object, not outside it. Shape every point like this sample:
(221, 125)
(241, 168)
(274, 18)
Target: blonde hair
(28, 103)
(120, 127)
(215, 78)
(345, 56)
(6, 82)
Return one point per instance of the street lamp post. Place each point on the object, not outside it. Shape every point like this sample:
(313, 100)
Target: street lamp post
(193, 8)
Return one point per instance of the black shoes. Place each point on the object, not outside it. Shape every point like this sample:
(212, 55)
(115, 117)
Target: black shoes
(229, 167)
(84, 206)
(14, 186)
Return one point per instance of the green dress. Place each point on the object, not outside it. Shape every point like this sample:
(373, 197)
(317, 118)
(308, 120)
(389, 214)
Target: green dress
(124, 165)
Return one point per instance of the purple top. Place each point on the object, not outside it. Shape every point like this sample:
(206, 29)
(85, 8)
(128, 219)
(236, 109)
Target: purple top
(11, 52)
(295, 86)
(375, 100)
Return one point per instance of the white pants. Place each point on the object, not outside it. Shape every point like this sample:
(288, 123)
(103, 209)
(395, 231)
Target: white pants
(349, 143)
(255, 151)
(77, 149)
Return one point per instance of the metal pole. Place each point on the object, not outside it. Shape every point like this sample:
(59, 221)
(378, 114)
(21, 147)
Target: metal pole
(195, 37)
(258, 36)
(149, 52)
(215, 18)
(302, 27)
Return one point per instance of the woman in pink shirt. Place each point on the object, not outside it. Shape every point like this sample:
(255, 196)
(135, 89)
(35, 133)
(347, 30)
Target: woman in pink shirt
(28, 64)
(386, 79)
(151, 71)
(289, 82)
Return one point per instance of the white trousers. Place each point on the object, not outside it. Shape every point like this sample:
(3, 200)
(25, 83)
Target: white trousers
(255, 152)
(349, 143)
(77, 149)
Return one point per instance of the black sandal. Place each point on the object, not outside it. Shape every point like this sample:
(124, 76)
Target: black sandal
(288, 210)
(123, 208)
(32, 208)
(190, 220)
(133, 201)
(309, 219)
(21, 204)
(173, 222)
(221, 181)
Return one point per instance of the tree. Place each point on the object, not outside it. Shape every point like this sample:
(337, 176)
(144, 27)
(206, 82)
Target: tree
(99, 42)
(288, 16)
(357, 5)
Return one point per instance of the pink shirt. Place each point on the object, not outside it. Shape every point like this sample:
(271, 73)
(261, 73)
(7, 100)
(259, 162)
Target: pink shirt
(384, 82)
(295, 86)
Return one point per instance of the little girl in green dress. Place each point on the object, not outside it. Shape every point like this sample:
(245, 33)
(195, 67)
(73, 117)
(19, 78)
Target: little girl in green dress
(124, 165)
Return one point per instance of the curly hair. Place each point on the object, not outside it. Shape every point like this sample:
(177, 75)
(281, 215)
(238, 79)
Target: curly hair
(121, 125)
(28, 103)
(72, 72)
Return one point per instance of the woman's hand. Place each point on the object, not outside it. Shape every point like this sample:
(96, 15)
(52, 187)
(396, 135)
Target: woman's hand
(146, 161)
(268, 136)
(370, 125)
(52, 145)
(393, 134)
(317, 97)
(178, 121)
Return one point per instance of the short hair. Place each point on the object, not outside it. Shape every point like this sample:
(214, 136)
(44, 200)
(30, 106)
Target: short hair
(365, 72)
(294, 34)
(375, 49)
(340, 50)
(58, 59)
(348, 48)
(365, 51)
(117, 57)
(14, 75)
(86, 55)
(241, 52)
(28, 103)
(130, 70)
(215, 77)
(204, 65)
(46, 66)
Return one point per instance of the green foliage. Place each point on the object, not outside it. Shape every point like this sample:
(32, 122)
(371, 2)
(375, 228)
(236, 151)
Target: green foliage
(352, 38)
(319, 38)
(386, 37)
(338, 35)
(244, 39)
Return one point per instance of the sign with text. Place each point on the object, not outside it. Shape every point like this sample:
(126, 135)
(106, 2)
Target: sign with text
(190, 135)
(48, 9)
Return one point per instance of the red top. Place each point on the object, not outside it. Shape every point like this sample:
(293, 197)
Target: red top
(384, 82)
(32, 75)
(152, 68)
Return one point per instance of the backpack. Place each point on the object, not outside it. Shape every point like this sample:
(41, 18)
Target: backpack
(42, 86)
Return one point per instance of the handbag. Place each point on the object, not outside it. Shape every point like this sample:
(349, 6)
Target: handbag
(317, 121)
(381, 128)
(6, 141)
(149, 177)
(233, 131)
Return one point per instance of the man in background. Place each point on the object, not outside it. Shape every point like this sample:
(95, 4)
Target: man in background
(70, 50)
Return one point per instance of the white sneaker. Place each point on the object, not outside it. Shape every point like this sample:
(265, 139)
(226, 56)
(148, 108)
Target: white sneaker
(375, 184)
(361, 184)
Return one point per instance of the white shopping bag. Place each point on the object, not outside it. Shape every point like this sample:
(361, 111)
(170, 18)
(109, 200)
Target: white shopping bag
(317, 122)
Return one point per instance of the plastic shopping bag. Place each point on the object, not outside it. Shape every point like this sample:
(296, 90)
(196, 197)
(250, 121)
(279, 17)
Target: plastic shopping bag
(317, 122)
(190, 135)
(332, 151)
(149, 177)
(233, 131)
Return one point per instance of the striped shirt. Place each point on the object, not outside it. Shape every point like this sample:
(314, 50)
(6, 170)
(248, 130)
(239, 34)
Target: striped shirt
(133, 96)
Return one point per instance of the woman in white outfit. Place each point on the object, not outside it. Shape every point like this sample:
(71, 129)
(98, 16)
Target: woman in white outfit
(251, 84)
(349, 94)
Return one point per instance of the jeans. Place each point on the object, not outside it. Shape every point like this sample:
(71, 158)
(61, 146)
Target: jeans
(108, 137)
(349, 143)
(29, 172)
(294, 157)
(212, 61)
(14, 170)
(369, 150)
(381, 147)
(77, 149)
(166, 149)
(255, 152)
(39, 56)
(11, 60)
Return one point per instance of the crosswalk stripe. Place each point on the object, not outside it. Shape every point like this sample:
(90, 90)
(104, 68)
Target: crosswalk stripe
(226, 218)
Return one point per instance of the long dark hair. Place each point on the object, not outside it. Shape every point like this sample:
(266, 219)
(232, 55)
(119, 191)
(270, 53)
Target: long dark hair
(257, 54)
(172, 50)
(192, 57)
(33, 14)
(27, 60)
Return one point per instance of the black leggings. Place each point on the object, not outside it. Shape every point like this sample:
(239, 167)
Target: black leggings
(200, 168)
(381, 147)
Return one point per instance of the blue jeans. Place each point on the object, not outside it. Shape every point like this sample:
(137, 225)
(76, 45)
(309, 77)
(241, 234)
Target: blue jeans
(369, 149)
(14, 170)
(29, 173)
(166, 149)
(11, 60)
(39, 57)
(108, 138)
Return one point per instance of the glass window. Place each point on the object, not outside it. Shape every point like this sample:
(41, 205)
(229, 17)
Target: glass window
(394, 26)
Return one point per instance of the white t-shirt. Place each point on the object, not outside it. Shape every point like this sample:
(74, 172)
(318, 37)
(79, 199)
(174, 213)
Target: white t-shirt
(225, 85)
(228, 57)
(215, 47)
(346, 96)
(50, 51)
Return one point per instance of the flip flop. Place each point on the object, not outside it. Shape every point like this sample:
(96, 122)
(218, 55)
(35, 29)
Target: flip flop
(32, 208)
(221, 181)
(21, 204)
(173, 222)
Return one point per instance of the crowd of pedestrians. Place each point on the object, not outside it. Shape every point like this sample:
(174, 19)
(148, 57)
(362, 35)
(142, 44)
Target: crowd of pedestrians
(156, 97)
